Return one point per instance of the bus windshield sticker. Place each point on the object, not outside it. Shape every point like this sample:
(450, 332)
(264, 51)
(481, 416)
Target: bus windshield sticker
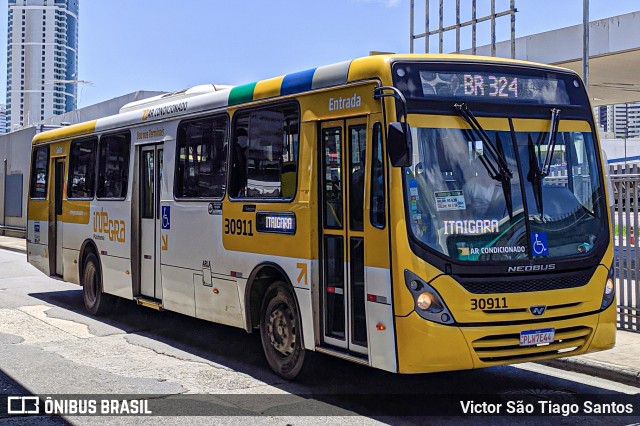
(464, 251)
(450, 200)
(413, 188)
(470, 227)
(539, 244)
(467, 251)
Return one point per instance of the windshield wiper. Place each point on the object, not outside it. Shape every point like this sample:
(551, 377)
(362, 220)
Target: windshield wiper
(496, 166)
(537, 171)
(499, 166)
(551, 143)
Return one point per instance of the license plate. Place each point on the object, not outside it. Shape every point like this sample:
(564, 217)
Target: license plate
(536, 337)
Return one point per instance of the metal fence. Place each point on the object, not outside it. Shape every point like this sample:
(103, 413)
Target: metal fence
(626, 192)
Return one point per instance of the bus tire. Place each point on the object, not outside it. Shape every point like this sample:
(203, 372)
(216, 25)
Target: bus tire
(281, 333)
(96, 302)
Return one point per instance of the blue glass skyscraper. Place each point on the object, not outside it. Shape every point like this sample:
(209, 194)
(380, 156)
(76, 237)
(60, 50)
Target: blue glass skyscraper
(42, 60)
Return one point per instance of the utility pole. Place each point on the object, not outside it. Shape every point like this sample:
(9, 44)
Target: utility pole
(585, 43)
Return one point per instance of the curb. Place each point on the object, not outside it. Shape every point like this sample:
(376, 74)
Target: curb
(613, 372)
(14, 249)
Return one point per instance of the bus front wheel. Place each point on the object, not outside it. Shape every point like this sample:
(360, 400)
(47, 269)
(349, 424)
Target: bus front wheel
(95, 301)
(280, 331)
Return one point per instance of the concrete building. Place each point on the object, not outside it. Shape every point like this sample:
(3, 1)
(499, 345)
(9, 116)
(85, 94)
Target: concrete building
(42, 60)
(619, 121)
(614, 54)
(3, 119)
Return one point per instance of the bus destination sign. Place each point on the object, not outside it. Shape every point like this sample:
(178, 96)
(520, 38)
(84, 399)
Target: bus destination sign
(494, 86)
(276, 222)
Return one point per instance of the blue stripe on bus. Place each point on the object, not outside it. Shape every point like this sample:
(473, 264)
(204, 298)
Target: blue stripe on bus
(297, 82)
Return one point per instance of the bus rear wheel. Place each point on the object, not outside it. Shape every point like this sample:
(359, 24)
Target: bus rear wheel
(281, 333)
(95, 301)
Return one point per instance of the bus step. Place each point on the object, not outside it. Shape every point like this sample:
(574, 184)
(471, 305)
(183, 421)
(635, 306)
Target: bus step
(341, 353)
(150, 303)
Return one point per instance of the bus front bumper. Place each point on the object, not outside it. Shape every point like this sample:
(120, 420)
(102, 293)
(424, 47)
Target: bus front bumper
(425, 346)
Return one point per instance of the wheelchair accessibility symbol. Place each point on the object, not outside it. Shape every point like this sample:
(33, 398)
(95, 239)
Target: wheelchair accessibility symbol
(539, 244)
(166, 217)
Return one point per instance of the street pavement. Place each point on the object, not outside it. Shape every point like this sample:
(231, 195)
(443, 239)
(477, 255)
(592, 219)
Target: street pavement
(48, 345)
(620, 364)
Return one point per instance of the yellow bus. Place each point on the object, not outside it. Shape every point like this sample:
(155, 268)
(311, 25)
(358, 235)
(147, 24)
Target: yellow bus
(412, 213)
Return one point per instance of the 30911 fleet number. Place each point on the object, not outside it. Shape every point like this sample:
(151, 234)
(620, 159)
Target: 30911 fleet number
(238, 227)
(489, 303)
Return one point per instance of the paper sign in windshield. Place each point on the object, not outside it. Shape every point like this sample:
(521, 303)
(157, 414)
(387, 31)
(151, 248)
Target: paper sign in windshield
(450, 200)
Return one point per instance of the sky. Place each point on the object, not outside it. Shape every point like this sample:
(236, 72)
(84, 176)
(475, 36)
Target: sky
(168, 45)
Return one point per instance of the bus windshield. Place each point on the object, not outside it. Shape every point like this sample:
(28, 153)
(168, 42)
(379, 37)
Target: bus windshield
(459, 208)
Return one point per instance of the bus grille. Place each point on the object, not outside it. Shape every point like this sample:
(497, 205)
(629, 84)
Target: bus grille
(514, 284)
(506, 347)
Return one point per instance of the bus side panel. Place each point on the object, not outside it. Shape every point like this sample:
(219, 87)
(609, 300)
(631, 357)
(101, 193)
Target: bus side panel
(110, 230)
(178, 293)
(116, 276)
(70, 262)
(75, 218)
(380, 324)
(38, 234)
(219, 301)
(190, 251)
(37, 240)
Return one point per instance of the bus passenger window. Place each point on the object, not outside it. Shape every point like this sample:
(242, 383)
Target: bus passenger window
(113, 166)
(39, 172)
(377, 179)
(82, 170)
(202, 158)
(357, 153)
(265, 153)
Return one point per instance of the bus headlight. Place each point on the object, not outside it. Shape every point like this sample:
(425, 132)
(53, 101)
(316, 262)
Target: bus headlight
(429, 304)
(609, 293)
(424, 301)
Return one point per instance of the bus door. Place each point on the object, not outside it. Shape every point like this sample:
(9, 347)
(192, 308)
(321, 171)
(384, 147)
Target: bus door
(55, 218)
(150, 220)
(342, 249)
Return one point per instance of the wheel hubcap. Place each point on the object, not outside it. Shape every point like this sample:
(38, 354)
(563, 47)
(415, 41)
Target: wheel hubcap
(282, 330)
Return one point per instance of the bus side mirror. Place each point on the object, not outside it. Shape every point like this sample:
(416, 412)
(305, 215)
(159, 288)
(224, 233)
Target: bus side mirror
(399, 144)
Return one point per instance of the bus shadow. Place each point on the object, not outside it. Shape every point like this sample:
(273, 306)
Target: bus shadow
(328, 380)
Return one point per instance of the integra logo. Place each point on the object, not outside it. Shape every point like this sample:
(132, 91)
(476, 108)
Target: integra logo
(162, 111)
(532, 268)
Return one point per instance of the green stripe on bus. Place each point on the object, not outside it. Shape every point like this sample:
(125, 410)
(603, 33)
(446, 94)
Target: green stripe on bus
(241, 94)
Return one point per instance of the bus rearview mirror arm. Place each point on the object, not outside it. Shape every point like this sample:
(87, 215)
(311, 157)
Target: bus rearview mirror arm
(399, 132)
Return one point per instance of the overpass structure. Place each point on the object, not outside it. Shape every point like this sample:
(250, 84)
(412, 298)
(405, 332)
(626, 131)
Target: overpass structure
(614, 55)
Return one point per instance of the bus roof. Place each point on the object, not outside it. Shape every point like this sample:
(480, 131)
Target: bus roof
(299, 82)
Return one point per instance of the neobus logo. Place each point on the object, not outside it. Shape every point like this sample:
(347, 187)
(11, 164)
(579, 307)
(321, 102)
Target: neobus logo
(532, 268)
(162, 111)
